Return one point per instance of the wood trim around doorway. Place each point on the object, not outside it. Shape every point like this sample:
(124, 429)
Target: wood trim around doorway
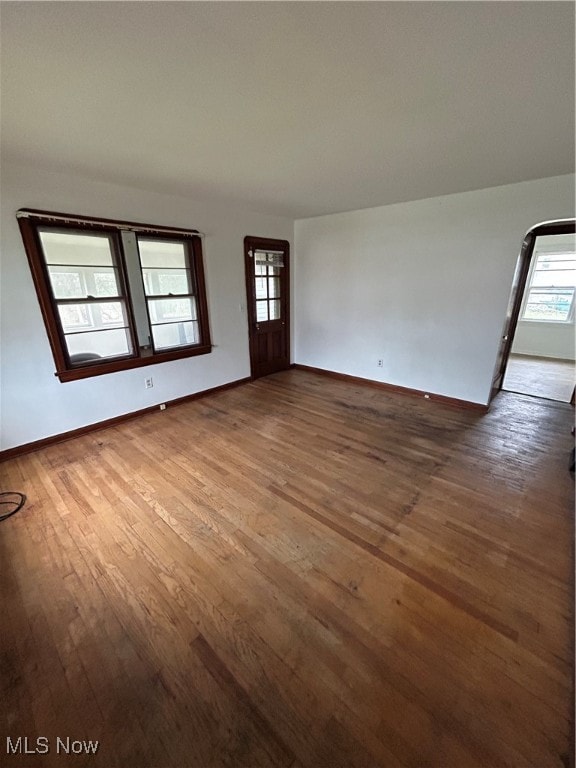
(263, 243)
(564, 227)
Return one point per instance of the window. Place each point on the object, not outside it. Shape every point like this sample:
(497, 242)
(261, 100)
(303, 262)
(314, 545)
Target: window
(550, 294)
(267, 282)
(170, 294)
(116, 295)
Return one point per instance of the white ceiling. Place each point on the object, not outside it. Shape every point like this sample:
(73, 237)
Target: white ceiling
(298, 108)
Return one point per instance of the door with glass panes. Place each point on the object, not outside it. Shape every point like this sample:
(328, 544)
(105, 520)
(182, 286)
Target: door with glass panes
(267, 285)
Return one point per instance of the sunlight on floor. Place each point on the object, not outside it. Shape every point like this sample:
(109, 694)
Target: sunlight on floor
(540, 376)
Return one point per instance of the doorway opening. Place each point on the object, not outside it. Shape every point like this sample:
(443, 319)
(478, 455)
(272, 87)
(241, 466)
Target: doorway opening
(268, 303)
(538, 349)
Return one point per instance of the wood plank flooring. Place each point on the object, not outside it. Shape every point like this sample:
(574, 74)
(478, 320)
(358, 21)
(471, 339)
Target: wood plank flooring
(541, 377)
(297, 572)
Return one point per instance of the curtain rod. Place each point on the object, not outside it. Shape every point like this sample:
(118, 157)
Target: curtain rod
(124, 225)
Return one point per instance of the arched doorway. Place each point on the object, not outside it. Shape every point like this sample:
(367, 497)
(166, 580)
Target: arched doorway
(517, 302)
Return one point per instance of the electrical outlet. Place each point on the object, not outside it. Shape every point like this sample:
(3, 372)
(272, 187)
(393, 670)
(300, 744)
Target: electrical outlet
(427, 396)
(162, 406)
(148, 383)
(380, 363)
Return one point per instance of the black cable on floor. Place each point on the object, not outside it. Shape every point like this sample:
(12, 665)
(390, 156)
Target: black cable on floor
(17, 503)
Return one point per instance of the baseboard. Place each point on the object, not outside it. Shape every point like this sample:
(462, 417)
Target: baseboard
(19, 450)
(452, 401)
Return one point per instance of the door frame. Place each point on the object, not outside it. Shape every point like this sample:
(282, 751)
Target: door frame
(560, 227)
(251, 242)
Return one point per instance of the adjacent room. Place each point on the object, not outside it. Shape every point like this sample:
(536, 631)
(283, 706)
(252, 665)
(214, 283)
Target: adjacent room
(286, 388)
(541, 361)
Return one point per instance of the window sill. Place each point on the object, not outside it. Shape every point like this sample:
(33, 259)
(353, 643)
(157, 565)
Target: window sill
(87, 371)
(546, 322)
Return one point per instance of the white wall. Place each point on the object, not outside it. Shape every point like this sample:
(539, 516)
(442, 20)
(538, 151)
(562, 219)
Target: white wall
(422, 285)
(545, 340)
(33, 403)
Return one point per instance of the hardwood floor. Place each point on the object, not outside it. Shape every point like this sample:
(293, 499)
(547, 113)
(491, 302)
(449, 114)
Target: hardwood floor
(297, 572)
(541, 377)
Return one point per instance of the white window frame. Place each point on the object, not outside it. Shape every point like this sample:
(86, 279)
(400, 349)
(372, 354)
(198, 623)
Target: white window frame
(546, 251)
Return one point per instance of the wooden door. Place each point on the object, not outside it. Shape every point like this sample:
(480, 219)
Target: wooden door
(268, 294)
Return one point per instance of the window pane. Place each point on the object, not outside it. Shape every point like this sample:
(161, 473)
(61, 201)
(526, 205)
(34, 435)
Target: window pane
(76, 248)
(555, 270)
(84, 347)
(548, 305)
(161, 253)
(275, 258)
(174, 282)
(261, 311)
(110, 313)
(261, 288)
(273, 270)
(557, 278)
(260, 269)
(66, 285)
(75, 317)
(557, 260)
(81, 282)
(82, 317)
(105, 283)
(175, 335)
(274, 309)
(274, 287)
(169, 310)
(163, 280)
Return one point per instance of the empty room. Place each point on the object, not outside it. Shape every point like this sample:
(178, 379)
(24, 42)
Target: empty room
(272, 489)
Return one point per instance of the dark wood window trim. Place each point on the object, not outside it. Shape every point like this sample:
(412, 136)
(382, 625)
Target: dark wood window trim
(31, 220)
